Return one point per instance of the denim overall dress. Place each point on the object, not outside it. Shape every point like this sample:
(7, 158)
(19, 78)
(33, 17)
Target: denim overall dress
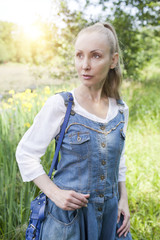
(90, 156)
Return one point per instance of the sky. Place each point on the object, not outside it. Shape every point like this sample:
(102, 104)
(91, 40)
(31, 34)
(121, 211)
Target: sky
(24, 12)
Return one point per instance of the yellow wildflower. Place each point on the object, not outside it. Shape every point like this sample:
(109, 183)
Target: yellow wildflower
(47, 90)
(27, 105)
(6, 106)
(10, 100)
(11, 92)
(28, 90)
(27, 124)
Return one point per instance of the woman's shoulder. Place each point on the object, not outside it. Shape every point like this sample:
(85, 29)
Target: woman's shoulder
(57, 98)
(118, 103)
(53, 105)
(54, 99)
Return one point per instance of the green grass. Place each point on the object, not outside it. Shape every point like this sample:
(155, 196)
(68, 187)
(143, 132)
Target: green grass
(142, 159)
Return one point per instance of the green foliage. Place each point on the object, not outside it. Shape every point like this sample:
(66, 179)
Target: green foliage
(146, 11)
(142, 157)
(129, 42)
(64, 41)
(6, 41)
(4, 54)
(129, 18)
(138, 32)
(16, 46)
(144, 103)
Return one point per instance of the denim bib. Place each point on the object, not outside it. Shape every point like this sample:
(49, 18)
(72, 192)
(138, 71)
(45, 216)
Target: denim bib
(90, 155)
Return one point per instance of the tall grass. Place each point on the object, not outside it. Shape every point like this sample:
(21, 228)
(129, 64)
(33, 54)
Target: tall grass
(142, 159)
(16, 116)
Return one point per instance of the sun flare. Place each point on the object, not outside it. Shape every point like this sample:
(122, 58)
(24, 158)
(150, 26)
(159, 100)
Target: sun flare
(32, 32)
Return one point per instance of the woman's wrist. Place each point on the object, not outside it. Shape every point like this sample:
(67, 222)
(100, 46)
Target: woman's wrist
(122, 190)
(46, 185)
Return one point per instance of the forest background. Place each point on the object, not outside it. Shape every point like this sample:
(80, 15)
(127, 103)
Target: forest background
(49, 57)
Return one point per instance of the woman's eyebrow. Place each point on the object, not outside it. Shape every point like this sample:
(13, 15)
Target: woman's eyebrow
(90, 51)
(96, 50)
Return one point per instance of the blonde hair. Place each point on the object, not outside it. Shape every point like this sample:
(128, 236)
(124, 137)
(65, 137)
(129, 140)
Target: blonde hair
(114, 77)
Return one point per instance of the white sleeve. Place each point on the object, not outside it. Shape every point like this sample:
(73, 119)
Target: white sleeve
(122, 166)
(35, 141)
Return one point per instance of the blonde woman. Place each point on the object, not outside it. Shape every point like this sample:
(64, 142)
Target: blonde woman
(87, 196)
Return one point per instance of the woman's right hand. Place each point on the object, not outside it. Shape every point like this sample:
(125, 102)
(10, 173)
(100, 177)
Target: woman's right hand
(65, 199)
(69, 199)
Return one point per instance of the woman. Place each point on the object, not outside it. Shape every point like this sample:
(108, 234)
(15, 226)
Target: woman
(87, 196)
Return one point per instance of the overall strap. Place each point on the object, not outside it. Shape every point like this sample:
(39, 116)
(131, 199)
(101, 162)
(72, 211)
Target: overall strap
(68, 101)
(65, 96)
(121, 106)
(120, 102)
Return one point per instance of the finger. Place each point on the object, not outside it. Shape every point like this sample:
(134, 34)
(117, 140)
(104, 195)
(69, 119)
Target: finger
(86, 195)
(81, 197)
(125, 230)
(123, 225)
(125, 234)
(73, 206)
(78, 202)
(69, 209)
(119, 214)
(77, 199)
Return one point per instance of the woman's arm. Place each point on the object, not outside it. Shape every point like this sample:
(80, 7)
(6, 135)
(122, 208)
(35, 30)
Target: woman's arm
(123, 209)
(65, 199)
(35, 141)
(122, 165)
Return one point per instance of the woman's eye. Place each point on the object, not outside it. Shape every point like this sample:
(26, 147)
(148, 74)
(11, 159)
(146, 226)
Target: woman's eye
(96, 55)
(79, 55)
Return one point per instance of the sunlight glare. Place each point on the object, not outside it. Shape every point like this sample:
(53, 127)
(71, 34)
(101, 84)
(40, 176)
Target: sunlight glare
(32, 32)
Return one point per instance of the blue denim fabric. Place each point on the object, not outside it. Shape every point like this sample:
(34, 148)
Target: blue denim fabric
(90, 156)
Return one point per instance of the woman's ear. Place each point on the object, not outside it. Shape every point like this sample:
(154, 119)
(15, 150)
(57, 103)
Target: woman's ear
(114, 60)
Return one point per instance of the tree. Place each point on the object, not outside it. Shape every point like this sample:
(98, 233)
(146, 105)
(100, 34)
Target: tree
(6, 43)
(146, 12)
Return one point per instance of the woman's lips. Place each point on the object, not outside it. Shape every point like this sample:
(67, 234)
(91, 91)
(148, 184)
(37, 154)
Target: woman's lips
(85, 76)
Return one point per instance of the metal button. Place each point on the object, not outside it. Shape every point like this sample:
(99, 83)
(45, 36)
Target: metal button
(101, 195)
(100, 209)
(72, 112)
(102, 127)
(78, 138)
(103, 162)
(103, 145)
(102, 177)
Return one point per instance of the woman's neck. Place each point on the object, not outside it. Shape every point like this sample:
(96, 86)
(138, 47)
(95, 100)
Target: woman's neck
(90, 93)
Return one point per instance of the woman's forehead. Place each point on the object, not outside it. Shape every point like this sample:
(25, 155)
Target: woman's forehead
(92, 41)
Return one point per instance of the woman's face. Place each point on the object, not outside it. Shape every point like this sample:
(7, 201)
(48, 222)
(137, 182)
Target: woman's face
(92, 58)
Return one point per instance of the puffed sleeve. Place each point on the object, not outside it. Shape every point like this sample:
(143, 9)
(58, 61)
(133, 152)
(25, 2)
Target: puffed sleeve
(35, 141)
(122, 166)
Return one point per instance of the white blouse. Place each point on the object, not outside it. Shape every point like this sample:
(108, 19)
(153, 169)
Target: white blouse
(46, 126)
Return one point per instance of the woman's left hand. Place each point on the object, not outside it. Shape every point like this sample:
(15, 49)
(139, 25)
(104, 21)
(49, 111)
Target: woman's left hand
(124, 210)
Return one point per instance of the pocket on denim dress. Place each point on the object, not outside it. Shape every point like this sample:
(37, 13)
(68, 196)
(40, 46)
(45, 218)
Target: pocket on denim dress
(59, 224)
(79, 142)
(74, 168)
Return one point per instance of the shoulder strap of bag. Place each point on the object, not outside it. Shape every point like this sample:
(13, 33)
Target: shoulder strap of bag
(64, 125)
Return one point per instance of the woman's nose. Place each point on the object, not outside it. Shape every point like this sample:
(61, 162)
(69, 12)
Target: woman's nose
(86, 64)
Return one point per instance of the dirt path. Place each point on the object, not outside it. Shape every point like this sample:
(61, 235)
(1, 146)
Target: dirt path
(19, 77)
